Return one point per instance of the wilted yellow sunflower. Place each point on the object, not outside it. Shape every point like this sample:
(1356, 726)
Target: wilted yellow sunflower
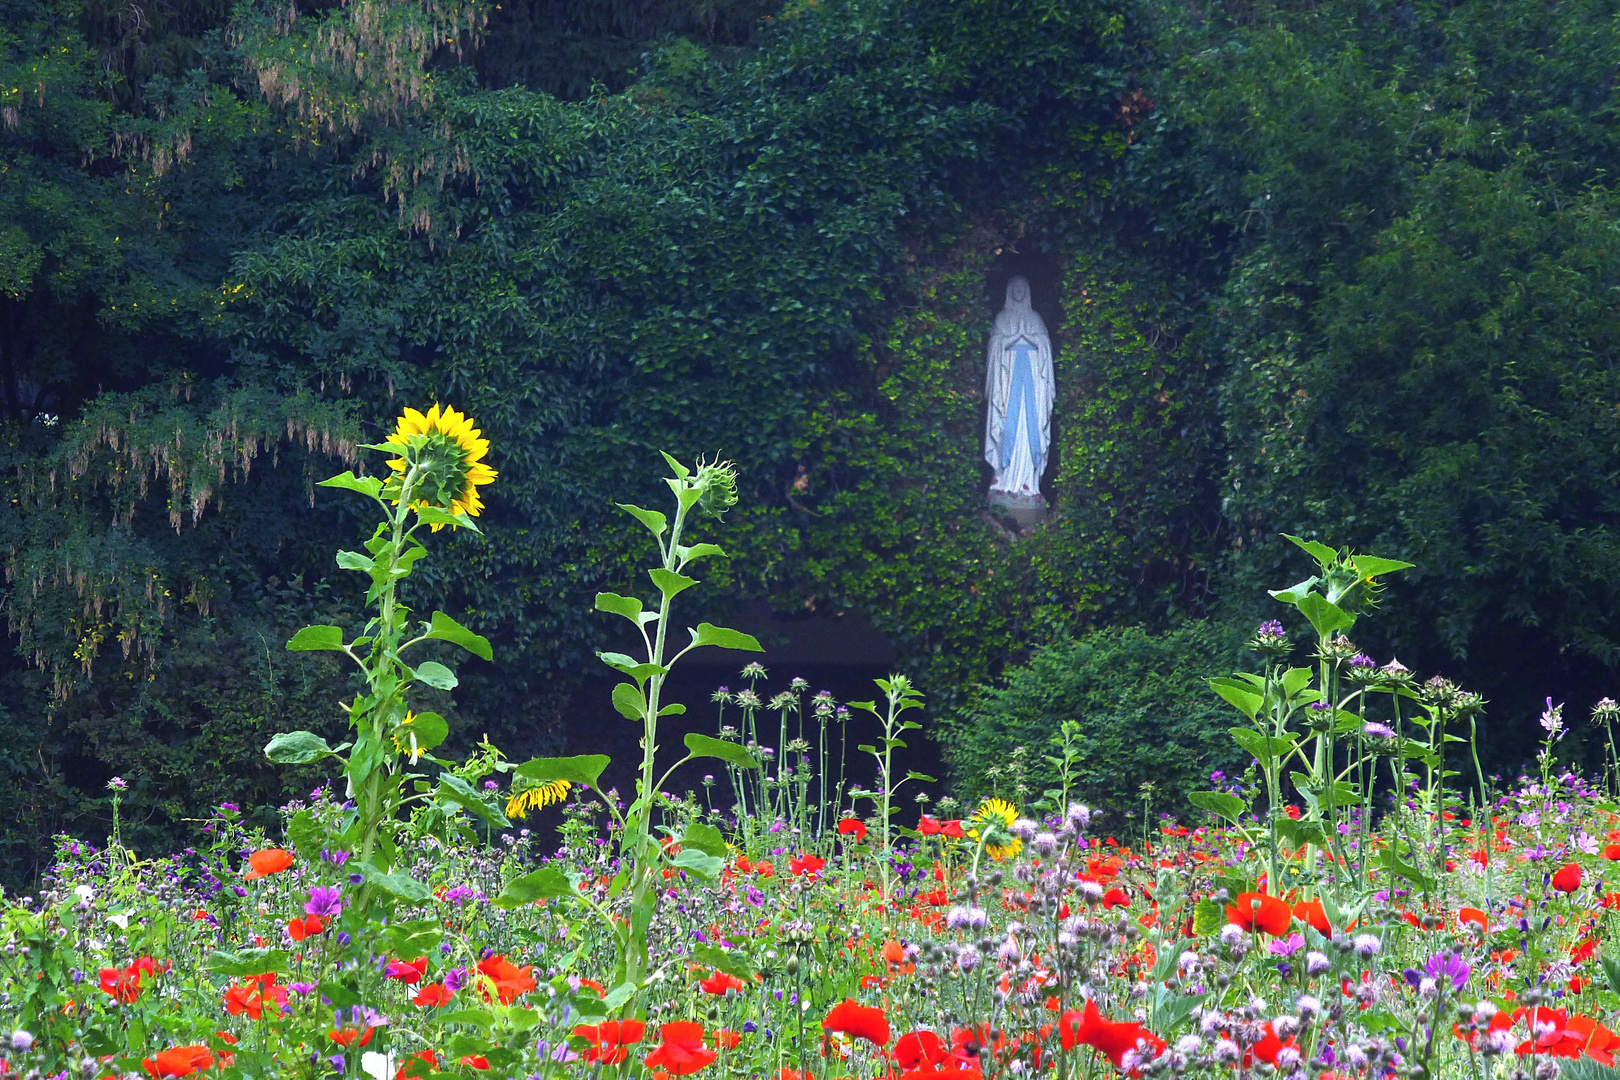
(449, 452)
(996, 816)
(537, 798)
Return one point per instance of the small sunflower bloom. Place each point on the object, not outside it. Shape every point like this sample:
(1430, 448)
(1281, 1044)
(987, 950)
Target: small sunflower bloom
(996, 817)
(448, 453)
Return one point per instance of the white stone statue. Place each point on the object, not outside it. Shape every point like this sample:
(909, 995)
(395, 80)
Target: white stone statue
(1018, 387)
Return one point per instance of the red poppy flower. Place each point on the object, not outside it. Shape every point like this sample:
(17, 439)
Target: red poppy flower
(1270, 1046)
(953, 830)
(352, 1036)
(409, 972)
(509, 979)
(1611, 851)
(1500, 1022)
(852, 827)
(721, 983)
(919, 1049)
(764, 868)
(308, 926)
(1312, 914)
(417, 1065)
(178, 1061)
(475, 1061)
(806, 864)
(252, 995)
(858, 1021)
(123, 985)
(1472, 915)
(267, 861)
(609, 1039)
(1601, 1043)
(681, 1051)
(928, 826)
(1551, 1033)
(1114, 898)
(1257, 911)
(1567, 879)
(724, 1037)
(1112, 1038)
(433, 995)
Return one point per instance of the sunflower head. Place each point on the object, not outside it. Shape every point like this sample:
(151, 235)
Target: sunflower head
(446, 454)
(995, 817)
(537, 798)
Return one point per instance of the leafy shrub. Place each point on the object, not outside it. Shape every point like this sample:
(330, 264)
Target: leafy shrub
(1144, 712)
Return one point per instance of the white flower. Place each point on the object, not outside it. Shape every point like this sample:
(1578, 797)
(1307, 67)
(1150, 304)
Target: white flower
(377, 1065)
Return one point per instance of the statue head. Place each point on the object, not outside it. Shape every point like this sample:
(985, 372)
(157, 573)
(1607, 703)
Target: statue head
(1018, 291)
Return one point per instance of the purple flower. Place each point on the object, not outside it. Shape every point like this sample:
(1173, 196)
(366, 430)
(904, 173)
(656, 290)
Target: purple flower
(455, 979)
(1447, 965)
(1271, 628)
(325, 901)
(1286, 947)
(360, 1016)
(301, 988)
(1374, 730)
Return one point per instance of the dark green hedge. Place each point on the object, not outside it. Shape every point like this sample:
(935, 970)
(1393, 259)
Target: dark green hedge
(1146, 716)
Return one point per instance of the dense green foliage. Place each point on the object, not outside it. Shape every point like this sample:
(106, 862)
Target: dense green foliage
(1337, 270)
(1134, 696)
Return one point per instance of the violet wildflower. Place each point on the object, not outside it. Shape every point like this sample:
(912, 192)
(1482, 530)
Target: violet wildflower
(325, 901)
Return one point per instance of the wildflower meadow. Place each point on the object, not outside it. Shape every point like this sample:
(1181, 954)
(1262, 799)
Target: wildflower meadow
(1363, 901)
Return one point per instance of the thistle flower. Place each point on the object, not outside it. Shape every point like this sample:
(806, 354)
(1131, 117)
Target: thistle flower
(1606, 711)
(1271, 640)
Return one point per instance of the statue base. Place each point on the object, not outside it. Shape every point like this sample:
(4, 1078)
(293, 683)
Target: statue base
(1026, 510)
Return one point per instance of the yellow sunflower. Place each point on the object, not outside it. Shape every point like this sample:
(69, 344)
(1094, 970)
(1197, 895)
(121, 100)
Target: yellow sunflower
(996, 817)
(449, 453)
(537, 798)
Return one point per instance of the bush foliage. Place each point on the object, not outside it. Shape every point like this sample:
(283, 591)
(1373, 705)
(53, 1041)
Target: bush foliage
(1143, 708)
